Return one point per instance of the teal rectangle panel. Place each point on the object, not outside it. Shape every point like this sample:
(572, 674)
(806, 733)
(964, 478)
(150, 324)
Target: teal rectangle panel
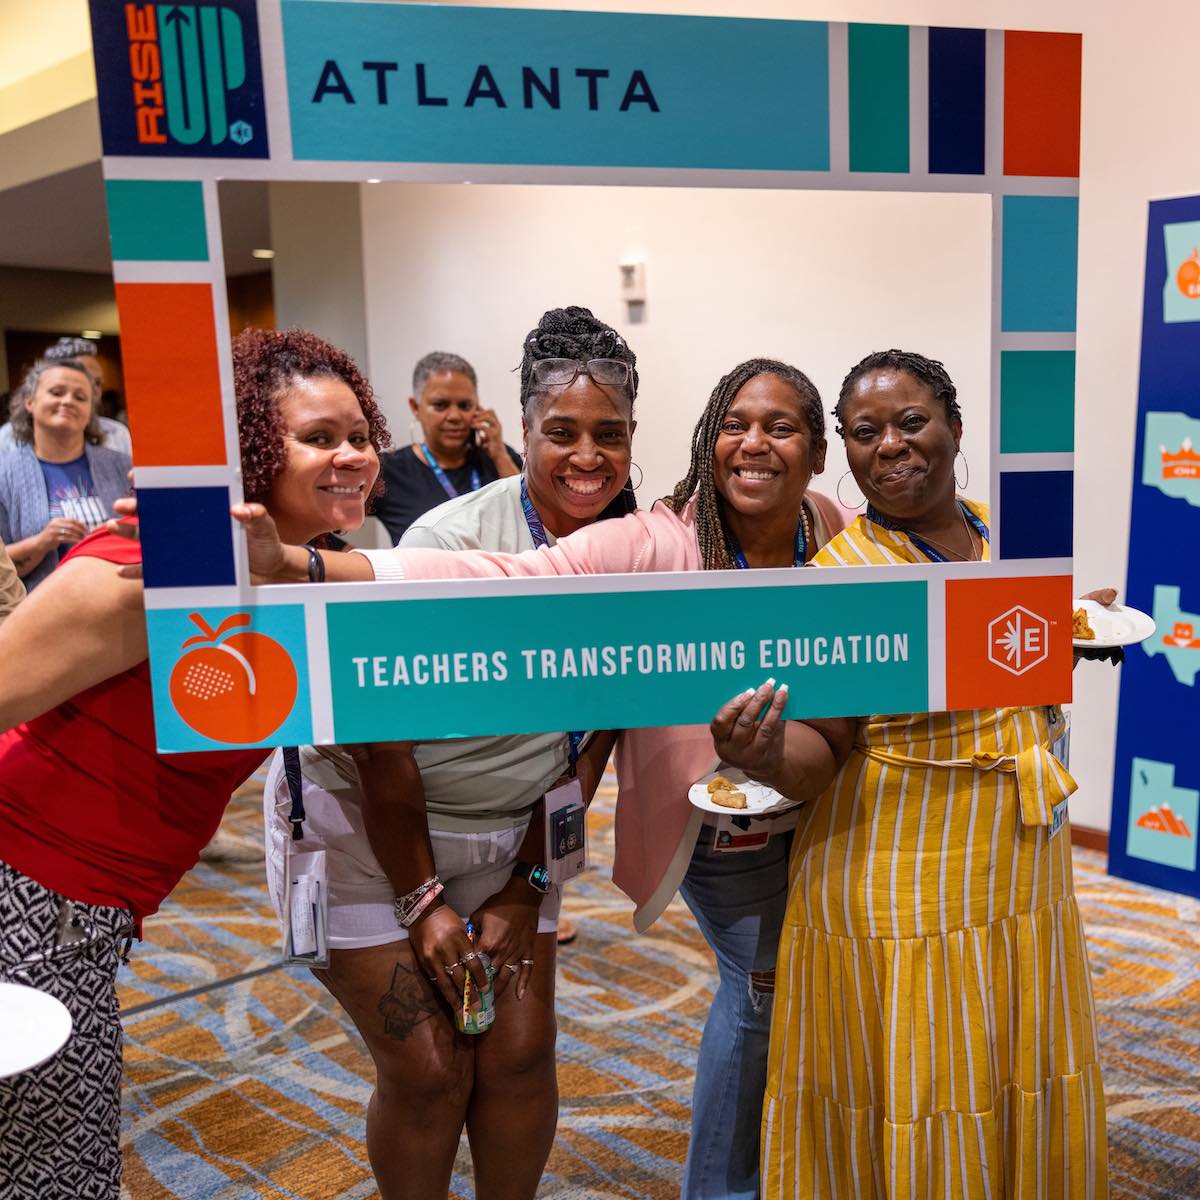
(156, 220)
(527, 664)
(439, 83)
(879, 98)
(1039, 263)
(1037, 401)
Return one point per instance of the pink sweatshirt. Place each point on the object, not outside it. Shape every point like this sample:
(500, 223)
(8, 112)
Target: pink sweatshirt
(656, 825)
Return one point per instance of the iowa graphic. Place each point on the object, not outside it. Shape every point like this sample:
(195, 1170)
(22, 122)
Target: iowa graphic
(1162, 817)
(1178, 636)
(1170, 460)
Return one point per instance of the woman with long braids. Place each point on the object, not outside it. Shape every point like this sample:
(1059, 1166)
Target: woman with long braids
(744, 503)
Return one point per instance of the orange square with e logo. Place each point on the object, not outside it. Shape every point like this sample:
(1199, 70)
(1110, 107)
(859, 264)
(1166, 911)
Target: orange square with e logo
(1008, 641)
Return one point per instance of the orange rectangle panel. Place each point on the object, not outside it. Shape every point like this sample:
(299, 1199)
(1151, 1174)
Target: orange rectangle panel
(1041, 103)
(172, 381)
(1008, 641)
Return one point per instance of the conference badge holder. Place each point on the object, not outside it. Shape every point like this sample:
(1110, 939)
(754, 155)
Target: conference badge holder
(306, 905)
(566, 831)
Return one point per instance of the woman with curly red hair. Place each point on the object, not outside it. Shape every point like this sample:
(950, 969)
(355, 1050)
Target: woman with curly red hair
(96, 828)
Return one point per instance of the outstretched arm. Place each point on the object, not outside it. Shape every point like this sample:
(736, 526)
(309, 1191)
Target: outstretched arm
(84, 624)
(632, 543)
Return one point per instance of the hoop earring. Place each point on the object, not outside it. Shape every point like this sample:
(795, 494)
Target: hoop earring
(838, 492)
(641, 476)
(962, 487)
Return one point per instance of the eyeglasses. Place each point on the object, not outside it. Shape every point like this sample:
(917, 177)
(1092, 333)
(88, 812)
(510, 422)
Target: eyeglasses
(562, 372)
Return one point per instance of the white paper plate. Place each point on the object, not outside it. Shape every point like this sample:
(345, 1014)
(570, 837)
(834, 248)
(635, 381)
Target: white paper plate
(33, 1026)
(1115, 625)
(760, 799)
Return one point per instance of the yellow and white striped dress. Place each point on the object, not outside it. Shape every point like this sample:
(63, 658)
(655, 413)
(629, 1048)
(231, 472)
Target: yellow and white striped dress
(933, 1031)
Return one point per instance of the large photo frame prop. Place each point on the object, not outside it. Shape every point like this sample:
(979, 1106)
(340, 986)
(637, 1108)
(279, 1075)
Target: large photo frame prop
(329, 90)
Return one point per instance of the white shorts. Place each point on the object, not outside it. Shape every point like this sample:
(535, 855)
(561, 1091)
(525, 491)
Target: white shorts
(471, 866)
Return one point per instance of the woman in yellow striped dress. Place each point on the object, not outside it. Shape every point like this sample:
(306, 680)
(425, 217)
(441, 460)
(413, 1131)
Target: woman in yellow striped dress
(933, 1031)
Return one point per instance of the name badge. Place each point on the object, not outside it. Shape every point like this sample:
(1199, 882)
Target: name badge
(566, 831)
(1058, 817)
(306, 908)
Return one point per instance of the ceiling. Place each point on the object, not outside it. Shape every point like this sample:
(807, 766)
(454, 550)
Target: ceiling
(59, 224)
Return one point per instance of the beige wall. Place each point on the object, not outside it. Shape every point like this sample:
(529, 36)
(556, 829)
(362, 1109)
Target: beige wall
(815, 278)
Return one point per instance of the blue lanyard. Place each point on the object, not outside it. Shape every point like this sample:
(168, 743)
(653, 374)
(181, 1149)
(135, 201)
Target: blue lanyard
(873, 514)
(537, 531)
(441, 476)
(798, 560)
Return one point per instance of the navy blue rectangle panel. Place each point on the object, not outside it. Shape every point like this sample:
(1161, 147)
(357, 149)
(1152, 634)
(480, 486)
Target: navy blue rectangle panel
(187, 539)
(1036, 514)
(957, 87)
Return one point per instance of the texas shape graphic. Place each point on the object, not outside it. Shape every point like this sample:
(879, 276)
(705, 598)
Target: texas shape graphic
(1177, 636)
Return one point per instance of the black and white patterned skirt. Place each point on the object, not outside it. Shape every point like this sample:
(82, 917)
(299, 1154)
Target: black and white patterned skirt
(60, 1122)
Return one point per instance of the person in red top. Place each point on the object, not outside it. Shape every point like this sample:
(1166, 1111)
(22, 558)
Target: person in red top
(96, 828)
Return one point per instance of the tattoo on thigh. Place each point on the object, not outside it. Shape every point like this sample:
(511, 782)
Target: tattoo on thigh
(406, 1003)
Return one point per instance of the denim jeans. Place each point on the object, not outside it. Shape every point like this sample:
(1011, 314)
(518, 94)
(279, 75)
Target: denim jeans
(738, 901)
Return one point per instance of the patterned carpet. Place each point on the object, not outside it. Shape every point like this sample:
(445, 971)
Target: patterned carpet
(243, 1079)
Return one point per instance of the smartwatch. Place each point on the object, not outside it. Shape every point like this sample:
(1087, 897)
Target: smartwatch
(538, 877)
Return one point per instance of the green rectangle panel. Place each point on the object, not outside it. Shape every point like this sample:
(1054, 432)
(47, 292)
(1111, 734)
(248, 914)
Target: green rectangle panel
(1037, 401)
(156, 220)
(879, 98)
(538, 663)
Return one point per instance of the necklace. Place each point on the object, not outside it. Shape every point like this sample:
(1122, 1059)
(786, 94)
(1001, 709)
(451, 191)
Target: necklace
(974, 555)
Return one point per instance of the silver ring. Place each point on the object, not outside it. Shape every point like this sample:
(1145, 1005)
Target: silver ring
(527, 962)
(451, 968)
(512, 967)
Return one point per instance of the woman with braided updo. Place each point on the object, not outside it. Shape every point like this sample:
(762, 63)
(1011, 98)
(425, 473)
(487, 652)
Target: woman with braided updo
(743, 503)
(419, 863)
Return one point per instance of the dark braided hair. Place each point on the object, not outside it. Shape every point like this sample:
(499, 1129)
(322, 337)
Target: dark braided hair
(928, 371)
(715, 552)
(575, 332)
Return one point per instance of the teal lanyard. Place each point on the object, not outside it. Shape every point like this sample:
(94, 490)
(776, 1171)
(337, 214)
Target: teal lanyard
(441, 476)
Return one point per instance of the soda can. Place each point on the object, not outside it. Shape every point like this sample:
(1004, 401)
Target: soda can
(478, 1010)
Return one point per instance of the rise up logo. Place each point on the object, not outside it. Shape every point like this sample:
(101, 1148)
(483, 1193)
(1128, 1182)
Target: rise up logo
(180, 79)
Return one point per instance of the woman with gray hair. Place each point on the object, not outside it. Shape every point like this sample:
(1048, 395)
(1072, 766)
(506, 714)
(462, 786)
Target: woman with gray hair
(58, 482)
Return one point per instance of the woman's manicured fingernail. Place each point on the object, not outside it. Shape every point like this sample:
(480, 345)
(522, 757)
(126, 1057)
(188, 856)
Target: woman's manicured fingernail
(770, 682)
(746, 694)
(782, 690)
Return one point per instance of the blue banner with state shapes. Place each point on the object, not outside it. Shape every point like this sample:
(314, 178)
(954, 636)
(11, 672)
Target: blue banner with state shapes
(1157, 781)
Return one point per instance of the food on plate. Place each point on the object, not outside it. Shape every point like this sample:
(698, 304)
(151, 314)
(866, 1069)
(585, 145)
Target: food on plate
(729, 797)
(1081, 630)
(718, 783)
